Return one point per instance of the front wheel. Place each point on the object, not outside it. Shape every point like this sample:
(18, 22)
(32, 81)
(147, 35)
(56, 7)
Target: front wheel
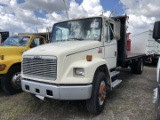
(96, 103)
(11, 82)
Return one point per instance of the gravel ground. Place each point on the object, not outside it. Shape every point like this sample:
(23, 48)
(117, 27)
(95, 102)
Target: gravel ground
(131, 100)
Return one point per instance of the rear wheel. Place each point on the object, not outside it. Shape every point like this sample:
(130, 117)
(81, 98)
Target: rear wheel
(137, 66)
(96, 103)
(11, 82)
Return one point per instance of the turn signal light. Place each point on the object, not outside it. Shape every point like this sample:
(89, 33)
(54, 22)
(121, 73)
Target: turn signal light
(89, 57)
(2, 67)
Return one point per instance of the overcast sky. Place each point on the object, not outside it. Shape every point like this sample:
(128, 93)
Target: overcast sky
(30, 15)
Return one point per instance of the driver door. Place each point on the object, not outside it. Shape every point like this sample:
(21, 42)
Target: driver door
(110, 46)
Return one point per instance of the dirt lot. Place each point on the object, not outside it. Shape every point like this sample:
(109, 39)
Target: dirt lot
(132, 100)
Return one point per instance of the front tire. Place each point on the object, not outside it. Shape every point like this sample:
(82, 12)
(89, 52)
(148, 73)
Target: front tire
(11, 81)
(96, 103)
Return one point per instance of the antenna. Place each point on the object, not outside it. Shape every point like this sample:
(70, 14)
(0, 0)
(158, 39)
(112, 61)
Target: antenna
(66, 8)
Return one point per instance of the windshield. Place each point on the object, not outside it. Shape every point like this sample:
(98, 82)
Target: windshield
(83, 29)
(16, 41)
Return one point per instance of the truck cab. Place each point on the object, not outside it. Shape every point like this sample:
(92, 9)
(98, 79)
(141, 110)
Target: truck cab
(11, 52)
(156, 97)
(81, 61)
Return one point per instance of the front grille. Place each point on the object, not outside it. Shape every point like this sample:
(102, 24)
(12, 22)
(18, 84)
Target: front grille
(44, 67)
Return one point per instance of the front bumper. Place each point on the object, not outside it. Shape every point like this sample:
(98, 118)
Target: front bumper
(74, 92)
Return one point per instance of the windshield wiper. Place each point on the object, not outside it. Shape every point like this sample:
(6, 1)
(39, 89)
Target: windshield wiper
(79, 39)
(69, 39)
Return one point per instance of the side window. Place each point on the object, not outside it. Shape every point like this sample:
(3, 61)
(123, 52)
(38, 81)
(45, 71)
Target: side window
(108, 34)
(37, 42)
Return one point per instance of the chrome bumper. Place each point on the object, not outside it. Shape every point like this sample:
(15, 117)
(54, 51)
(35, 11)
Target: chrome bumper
(57, 92)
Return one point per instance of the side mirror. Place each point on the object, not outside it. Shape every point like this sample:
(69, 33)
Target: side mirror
(156, 31)
(117, 29)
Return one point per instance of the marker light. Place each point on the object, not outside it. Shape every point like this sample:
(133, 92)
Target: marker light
(2, 67)
(89, 57)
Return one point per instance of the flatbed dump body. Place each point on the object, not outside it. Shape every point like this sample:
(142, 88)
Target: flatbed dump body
(144, 43)
(134, 55)
(124, 55)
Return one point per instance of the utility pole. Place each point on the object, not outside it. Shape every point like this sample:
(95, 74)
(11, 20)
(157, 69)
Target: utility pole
(66, 8)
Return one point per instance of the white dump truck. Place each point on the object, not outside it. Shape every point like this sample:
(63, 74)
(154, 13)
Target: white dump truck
(156, 97)
(81, 61)
(144, 43)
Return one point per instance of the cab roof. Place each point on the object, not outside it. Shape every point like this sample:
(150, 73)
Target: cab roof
(122, 18)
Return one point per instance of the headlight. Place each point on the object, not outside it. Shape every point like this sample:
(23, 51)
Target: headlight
(79, 71)
(2, 57)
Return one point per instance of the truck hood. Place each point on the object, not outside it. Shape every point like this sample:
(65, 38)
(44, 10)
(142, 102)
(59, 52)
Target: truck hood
(11, 50)
(66, 48)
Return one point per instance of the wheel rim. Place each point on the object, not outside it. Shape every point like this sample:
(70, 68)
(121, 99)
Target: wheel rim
(16, 80)
(102, 92)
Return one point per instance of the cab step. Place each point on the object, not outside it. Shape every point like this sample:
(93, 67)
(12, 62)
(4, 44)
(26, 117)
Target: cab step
(114, 73)
(115, 83)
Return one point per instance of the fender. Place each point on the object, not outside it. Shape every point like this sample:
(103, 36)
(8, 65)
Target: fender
(9, 61)
(90, 68)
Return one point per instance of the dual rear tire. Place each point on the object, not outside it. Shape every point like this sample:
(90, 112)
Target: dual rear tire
(137, 66)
